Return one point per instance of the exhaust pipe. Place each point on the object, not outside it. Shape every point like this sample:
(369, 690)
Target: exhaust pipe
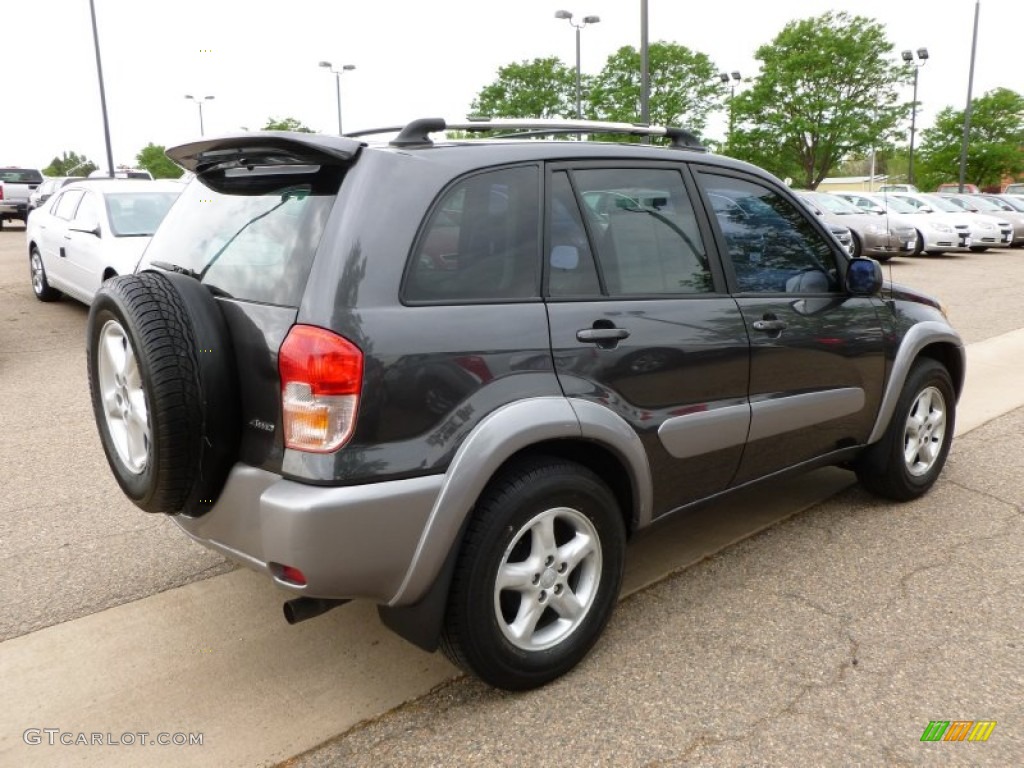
(302, 608)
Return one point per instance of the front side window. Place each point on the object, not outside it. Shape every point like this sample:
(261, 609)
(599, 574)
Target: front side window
(645, 231)
(772, 245)
(481, 242)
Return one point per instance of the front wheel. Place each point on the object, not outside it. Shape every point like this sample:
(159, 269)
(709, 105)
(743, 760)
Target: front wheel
(538, 575)
(907, 461)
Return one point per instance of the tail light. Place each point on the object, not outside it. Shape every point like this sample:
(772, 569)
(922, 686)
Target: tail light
(321, 377)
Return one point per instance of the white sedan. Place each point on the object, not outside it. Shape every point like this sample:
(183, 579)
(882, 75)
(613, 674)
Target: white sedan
(91, 231)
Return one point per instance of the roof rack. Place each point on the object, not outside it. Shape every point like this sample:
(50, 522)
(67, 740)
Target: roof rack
(417, 132)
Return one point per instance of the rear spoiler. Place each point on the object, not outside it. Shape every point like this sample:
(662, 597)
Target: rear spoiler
(263, 148)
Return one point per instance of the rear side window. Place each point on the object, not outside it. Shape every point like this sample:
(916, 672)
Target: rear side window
(645, 232)
(253, 237)
(67, 203)
(481, 242)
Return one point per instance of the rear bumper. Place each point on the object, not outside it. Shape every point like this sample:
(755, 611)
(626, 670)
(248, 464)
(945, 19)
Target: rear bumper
(350, 542)
(888, 243)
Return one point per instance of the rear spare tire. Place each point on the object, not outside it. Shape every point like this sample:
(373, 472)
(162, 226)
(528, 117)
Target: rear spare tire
(162, 382)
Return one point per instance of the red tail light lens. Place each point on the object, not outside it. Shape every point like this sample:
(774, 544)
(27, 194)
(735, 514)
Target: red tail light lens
(321, 378)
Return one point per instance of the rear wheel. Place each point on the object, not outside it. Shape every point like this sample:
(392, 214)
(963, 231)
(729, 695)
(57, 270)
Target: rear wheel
(908, 459)
(40, 287)
(538, 575)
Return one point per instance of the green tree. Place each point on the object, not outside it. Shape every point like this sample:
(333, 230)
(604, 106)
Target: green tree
(827, 88)
(683, 87)
(542, 88)
(995, 145)
(70, 164)
(154, 159)
(286, 124)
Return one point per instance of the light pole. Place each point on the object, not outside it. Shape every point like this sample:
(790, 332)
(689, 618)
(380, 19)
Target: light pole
(337, 83)
(199, 103)
(103, 93)
(730, 79)
(918, 62)
(967, 110)
(586, 20)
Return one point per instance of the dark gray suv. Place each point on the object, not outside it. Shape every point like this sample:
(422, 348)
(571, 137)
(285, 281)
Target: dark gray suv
(454, 377)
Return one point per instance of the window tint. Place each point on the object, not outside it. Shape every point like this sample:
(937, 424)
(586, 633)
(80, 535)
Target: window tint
(571, 270)
(645, 231)
(482, 241)
(772, 245)
(67, 203)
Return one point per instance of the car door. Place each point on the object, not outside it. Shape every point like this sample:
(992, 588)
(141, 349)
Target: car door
(83, 246)
(641, 323)
(52, 233)
(817, 361)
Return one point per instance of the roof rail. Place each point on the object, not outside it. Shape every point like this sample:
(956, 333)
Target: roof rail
(417, 132)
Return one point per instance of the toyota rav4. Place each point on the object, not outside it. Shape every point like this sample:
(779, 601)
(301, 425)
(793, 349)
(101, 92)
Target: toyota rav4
(452, 377)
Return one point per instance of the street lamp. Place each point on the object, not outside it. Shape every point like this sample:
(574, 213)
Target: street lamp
(920, 60)
(730, 79)
(199, 103)
(337, 83)
(586, 20)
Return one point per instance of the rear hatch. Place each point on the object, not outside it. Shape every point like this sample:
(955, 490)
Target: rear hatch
(248, 226)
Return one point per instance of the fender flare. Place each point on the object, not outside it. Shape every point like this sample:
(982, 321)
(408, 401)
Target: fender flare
(492, 442)
(916, 339)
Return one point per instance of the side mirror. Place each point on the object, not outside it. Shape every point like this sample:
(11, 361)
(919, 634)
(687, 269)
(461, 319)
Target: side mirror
(927, 209)
(863, 277)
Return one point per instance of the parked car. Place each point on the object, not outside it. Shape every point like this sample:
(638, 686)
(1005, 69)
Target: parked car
(122, 173)
(18, 184)
(898, 188)
(1014, 189)
(936, 234)
(986, 231)
(984, 204)
(879, 238)
(91, 231)
(45, 191)
(611, 333)
(953, 186)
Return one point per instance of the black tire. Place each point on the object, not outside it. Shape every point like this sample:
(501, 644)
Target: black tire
(979, 248)
(183, 382)
(479, 618)
(40, 285)
(918, 244)
(884, 468)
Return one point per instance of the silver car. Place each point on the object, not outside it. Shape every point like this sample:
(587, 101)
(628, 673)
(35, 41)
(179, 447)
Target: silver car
(992, 206)
(881, 239)
(986, 231)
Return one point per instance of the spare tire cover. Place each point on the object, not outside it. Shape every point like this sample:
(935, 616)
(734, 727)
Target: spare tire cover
(164, 390)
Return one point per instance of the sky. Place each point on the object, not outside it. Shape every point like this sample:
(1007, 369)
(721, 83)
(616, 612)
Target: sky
(413, 58)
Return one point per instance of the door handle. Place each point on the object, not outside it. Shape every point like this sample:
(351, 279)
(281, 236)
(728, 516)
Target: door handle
(601, 335)
(769, 325)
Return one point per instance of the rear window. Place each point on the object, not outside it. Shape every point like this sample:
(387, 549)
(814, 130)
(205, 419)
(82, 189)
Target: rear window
(21, 176)
(252, 237)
